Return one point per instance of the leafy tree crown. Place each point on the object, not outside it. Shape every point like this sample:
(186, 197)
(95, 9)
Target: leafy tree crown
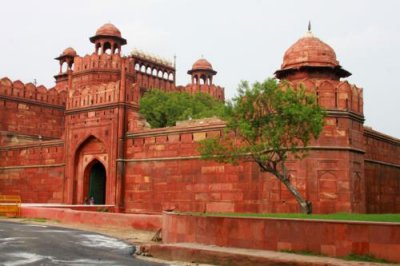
(162, 109)
(266, 121)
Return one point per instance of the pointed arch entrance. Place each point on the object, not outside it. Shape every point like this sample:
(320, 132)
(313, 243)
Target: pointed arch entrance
(92, 176)
(95, 185)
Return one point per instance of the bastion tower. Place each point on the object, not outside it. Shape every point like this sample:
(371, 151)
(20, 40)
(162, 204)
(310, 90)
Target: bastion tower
(333, 172)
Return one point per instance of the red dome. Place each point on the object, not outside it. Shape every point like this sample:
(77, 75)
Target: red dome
(69, 52)
(108, 29)
(309, 51)
(202, 64)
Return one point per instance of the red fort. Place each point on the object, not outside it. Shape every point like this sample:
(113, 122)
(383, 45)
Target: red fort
(84, 137)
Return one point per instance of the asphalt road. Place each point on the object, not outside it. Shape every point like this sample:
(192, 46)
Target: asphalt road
(32, 244)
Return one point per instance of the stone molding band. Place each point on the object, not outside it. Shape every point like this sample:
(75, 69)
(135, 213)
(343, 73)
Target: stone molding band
(101, 107)
(345, 113)
(157, 159)
(382, 163)
(31, 166)
(44, 144)
(194, 157)
(166, 131)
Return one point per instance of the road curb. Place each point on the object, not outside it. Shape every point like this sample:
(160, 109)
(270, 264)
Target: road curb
(216, 256)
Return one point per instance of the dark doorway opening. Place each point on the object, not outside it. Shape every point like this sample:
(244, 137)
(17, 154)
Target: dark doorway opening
(97, 183)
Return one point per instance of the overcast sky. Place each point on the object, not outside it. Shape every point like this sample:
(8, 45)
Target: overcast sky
(244, 40)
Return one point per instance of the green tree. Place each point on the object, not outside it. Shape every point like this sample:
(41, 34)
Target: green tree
(266, 123)
(162, 109)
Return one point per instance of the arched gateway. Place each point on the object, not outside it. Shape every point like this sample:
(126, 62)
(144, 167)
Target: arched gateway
(96, 183)
(91, 172)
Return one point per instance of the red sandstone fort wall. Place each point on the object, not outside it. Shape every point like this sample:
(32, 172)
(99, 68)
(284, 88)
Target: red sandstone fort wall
(382, 172)
(325, 177)
(164, 171)
(30, 110)
(33, 171)
(163, 168)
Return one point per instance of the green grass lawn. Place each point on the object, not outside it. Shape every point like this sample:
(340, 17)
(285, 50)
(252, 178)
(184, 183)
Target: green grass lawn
(350, 257)
(394, 218)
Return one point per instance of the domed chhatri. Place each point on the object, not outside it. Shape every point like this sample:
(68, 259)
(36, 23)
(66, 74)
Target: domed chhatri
(309, 52)
(202, 72)
(202, 65)
(108, 29)
(69, 52)
(67, 56)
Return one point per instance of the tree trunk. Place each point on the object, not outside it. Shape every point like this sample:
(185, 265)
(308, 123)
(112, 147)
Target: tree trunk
(305, 205)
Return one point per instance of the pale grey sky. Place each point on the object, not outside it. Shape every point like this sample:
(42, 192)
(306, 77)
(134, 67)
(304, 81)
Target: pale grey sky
(244, 40)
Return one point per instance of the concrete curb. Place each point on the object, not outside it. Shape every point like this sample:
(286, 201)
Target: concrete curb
(196, 253)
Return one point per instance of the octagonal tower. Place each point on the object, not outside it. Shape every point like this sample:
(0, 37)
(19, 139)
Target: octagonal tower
(333, 173)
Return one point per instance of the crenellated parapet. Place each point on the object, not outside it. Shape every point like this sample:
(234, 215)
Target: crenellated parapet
(94, 68)
(381, 148)
(29, 110)
(343, 103)
(335, 94)
(100, 94)
(215, 91)
(98, 62)
(18, 91)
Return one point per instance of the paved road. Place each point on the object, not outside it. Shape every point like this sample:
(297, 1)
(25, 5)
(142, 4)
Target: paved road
(32, 244)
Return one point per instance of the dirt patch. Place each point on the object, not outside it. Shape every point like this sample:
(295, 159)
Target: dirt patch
(132, 236)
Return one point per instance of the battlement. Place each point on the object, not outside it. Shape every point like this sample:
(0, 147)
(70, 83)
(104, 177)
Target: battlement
(44, 152)
(98, 62)
(31, 110)
(29, 92)
(217, 92)
(180, 140)
(380, 147)
(335, 95)
(94, 68)
(99, 94)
